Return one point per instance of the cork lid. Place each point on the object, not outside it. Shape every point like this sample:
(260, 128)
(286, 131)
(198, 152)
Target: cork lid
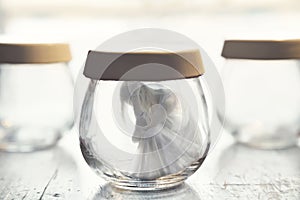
(32, 52)
(143, 65)
(262, 49)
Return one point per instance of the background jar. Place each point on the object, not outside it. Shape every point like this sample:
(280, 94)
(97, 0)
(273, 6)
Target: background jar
(262, 87)
(36, 90)
(144, 123)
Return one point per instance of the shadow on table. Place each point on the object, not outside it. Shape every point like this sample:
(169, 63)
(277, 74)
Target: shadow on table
(183, 191)
(38, 161)
(242, 164)
(23, 173)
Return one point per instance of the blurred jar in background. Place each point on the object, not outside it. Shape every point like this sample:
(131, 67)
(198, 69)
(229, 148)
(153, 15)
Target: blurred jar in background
(36, 91)
(262, 86)
(2, 18)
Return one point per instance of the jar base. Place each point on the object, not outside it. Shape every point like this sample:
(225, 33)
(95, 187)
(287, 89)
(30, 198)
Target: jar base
(28, 139)
(162, 183)
(268, 145)
(148, 185)
(266, 140)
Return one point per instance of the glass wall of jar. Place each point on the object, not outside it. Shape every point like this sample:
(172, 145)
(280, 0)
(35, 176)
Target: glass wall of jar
(36, 94)
(144, 123)
(262, 87)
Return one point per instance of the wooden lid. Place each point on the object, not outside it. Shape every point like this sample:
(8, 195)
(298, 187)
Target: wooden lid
(143, 66)
(34, 52)
(262, 49)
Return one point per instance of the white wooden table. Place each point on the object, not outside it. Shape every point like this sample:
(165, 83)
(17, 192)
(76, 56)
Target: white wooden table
(231, 171)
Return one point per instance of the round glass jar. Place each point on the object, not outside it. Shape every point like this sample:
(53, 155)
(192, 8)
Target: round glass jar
(144, 123)
(262, 86)
(36, 90)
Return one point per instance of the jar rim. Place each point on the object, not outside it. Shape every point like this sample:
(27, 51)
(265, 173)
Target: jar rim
(17, 53)
(261, 49)
(124, 66)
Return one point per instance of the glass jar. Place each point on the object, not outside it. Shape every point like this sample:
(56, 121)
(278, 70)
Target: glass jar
(2, 17)
(262, 87)
(144, 123)
(36, 95)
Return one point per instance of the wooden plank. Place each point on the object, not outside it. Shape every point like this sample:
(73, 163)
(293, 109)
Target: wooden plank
(230, 172)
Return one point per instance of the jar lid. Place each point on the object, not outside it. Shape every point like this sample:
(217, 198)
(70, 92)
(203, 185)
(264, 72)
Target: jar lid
(143, 65)
(34, 52)
(262, 49)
